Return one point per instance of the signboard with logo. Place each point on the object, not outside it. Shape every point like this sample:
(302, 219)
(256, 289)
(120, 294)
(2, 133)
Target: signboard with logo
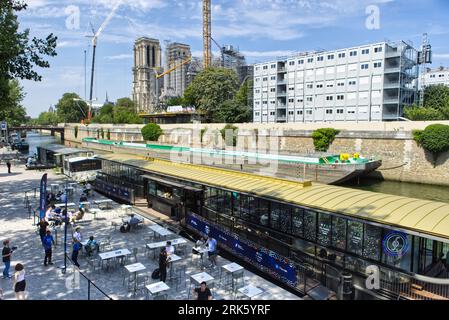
(43, 196)
(395, 244)
(265, 260)
(3, 126)
(115, 191)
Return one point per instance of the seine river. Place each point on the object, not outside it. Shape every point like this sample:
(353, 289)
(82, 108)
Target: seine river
(414, 190)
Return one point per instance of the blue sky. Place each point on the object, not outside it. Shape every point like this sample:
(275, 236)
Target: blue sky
(261, 29)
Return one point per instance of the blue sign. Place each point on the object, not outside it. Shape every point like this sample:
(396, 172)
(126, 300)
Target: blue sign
(266, 260)
(43, 196)
(4, 126)
(395, 244)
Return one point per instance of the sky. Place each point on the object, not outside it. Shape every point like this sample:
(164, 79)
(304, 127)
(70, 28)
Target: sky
(261, 29)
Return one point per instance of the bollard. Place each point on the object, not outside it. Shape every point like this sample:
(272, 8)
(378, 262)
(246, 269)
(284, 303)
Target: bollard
(346, 286)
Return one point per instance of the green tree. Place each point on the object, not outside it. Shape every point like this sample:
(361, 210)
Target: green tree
(435, 139)
(69, 110)
(125, 103)
(232, 112)
(416, 113)
(322, 138)
(19, 55)
(105, 114)
(11, 109)
(241, 98)
(151, 132)
(437, 97)
(47, 118)
(176, 101)
(210, 89)
(227, 130)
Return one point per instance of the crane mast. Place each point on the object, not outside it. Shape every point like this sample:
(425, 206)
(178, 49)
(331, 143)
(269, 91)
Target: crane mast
(207, 52)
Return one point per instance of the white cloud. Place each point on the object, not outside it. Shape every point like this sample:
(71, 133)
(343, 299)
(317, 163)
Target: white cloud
(123, 56)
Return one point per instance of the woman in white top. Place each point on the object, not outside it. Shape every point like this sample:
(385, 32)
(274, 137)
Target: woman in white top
(19, 282)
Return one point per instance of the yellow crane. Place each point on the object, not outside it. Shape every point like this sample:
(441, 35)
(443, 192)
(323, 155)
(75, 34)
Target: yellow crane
(207, 34)
(188, 60)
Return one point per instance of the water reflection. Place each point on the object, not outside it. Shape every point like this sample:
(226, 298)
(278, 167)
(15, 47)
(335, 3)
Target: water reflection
(35, 139)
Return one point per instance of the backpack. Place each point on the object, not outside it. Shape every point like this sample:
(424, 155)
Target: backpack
(156, 274)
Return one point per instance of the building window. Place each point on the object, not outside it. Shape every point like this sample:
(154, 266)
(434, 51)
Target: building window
(341, 55)
(441, 76)
(340, 111)
(272, 113)
(291, 100)
(300, 61)
(257, 91)
(291, 63)
(309, 112)
(340, 97)
(299, 112)
(310, 60)
(310, 86)
(365, 51)
(300, 100)
(319, 85)
(265, 67)
(378, 49)
(265, 102)
(377, 64)
(257, 114)
(432, 76)
(273, 78)
(329, 111)
(330, 57)
(309, 99)
(365, 66)
(273, 90)
(340, 84)
(330, 85)
(353, 53)
(273, 66)
(329, 98)
(257, 68)
(291, 113)
(352, 83)
(265, 79)
(272, 102)
(291, 89)
(320, 58)
(257, 102)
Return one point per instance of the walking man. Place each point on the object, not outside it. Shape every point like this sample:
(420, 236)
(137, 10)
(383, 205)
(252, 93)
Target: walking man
(6, 256)
(48, 241)
(212, 251)
(8, 164)
(75, 252)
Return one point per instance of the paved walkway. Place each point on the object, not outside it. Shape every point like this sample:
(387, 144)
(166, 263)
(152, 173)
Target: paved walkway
(49, 282)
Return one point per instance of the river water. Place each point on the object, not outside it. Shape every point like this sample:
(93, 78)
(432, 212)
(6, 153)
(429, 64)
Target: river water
(413, 190)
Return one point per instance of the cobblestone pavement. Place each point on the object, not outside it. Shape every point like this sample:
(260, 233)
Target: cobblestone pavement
(50, 283)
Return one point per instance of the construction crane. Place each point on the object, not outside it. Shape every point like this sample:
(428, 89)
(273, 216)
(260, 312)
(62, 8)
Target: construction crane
(221, 51)
(207, 34)
(94, 45)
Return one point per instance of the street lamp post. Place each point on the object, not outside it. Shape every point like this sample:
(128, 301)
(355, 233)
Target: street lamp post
(64, 267)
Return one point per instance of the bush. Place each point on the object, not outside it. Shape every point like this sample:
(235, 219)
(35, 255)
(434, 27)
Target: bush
(76, 132)
(108, 134)
(151, 132)
(234, 130)
(322, 138)
(203, 131)
(102, 133)
(422, 114)
(435, 139)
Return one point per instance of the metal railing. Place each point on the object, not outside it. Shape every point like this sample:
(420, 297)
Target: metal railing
(93, 291)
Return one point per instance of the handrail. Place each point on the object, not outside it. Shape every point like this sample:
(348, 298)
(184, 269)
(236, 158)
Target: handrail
(90, 282)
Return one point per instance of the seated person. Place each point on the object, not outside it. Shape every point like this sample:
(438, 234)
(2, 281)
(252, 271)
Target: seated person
(83, 198)
(92, 245)
(87, 189)
(133, 221)
(49, 214)
(77, 216)
(169, 248)
(58, 196)
(57, 210)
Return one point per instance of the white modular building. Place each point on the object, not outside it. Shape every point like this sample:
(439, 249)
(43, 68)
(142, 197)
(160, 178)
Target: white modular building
(367, 83)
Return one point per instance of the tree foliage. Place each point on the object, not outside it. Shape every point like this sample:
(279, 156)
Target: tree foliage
(436, 105)
(19, 55)
(176, 101)
(322, 138)
(47, 118)
(121, 113)
(70, 110)
(151, 132)
(232, 112)
(210, 89)
(435, 139)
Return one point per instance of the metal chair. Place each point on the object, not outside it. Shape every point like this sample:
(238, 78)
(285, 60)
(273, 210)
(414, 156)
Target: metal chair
(181, 250)
(115, 225)
(94, 263)
(237, 277)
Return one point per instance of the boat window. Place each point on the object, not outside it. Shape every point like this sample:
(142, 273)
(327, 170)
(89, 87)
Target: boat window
(220, 201)
(339, 233)
(152, 188)
(236, 204)
(310, 225)
(244, 207)
(285, 219)
(355, 237)
(324, 229)
(297, 221)
(228, 203)
(372, 242)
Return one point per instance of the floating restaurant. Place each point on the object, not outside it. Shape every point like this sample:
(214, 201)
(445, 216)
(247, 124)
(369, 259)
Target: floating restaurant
(292, 230)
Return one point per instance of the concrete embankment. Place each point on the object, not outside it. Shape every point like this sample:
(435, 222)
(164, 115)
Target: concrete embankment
(403, 160)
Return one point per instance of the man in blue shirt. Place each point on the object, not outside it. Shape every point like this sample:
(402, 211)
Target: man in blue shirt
(48, 241)
(212, 251)
(76, 249)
